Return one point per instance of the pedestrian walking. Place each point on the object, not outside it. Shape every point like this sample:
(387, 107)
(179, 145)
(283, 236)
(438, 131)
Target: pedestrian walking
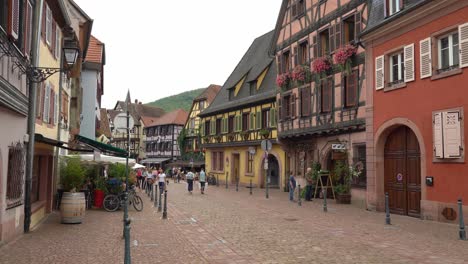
(202, 181)
(310, 182)
(189, 178)
(292, 186)
(139, 177)
(161, 180)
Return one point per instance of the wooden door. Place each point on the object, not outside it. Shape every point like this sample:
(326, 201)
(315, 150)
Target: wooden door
(403, 172)
(235, 168)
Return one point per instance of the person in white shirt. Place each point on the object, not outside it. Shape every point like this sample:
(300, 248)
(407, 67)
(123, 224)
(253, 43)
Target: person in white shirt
(190, 177)
(162, 179)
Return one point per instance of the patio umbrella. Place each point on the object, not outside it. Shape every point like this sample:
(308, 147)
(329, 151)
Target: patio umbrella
(137, 166)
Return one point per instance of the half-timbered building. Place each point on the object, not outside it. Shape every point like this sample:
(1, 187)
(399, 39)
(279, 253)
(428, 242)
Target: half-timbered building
(321, 96)
(416, 68)
(240, 117)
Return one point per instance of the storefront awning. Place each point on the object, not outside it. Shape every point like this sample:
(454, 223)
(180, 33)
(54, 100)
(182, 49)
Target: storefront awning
(154, 160)
(41, 139)
(102, 147)
(184, 163)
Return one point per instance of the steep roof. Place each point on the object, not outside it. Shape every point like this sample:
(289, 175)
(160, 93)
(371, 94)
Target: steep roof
(104, 123)
(95, 51)
(209, 93)
(137, 110)
(177, 117)
(254, 62)
(377, 16)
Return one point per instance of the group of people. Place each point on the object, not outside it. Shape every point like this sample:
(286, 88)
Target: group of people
(309, 186)
(146, 177)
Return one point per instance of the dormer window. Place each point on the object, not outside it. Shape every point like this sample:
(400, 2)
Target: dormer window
(202, 105)
(393, 6)
(253, 87)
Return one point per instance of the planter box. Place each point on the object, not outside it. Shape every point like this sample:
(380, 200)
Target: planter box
(343, 198)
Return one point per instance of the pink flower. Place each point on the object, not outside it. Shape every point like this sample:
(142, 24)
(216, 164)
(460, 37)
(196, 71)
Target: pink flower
(300, 73)
(343, 54)
(320, 65)
(282, 79)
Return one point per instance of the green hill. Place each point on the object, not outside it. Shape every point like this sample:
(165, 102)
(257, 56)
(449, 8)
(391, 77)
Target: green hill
(182, 100)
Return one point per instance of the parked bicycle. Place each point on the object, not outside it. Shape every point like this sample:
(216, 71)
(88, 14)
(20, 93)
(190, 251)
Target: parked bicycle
(112, 202)
(211, 179)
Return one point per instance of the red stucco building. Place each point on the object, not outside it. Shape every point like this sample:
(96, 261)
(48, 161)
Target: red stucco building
(416, 54)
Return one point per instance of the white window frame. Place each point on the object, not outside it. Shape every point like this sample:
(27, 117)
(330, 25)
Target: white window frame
(48, 25)
(450, 48)
(396, 4)
(400, 68)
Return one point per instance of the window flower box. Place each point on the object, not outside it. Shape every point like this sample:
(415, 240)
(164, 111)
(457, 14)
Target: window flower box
(321, 66)
(283, 80)
(343, 56)
(301, 74)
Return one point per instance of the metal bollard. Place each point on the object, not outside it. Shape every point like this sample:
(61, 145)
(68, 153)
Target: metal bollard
(152, 194)
(226, 181)
(149, 190)
(462, 222)
(299, 202)
(160, 201)
(266, 189)
(237, 185)
(387, 210)
(250, 186)
(156, 198)
(165, 205)
(324, 191)
(217, 180)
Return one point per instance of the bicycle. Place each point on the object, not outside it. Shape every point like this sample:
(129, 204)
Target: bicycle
(211, 179)
(112, 202)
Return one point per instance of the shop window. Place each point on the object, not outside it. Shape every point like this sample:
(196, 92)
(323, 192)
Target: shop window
(359, 166)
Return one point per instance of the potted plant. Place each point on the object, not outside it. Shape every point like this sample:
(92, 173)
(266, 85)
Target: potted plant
(283, 80)
(321, 66)
(342, 57)
(73, 204)
(100, 189)
(301, 74)
(265, 133)
(343, 189)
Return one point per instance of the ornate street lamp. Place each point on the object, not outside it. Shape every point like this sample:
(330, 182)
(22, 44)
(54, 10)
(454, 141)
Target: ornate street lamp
(70, 53)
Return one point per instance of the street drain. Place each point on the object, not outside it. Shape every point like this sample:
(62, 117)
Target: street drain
(291, 219)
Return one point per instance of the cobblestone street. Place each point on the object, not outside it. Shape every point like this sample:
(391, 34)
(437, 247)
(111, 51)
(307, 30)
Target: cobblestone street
(224, 226)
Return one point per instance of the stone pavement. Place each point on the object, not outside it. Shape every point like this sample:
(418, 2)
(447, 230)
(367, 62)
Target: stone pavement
(225, 226)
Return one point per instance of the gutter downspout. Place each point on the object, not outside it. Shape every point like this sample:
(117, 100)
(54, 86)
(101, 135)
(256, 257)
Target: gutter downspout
(59, 126)
(37, 17)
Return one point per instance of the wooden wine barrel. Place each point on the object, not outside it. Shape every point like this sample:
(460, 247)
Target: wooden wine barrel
(73, 207)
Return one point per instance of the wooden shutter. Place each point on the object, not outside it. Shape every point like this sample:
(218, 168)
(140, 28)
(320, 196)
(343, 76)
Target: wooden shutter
(46, 103)
(54, 36)
(202, 129)
(338, 28)
(351, 89)
(314, 46)
(52, 106)
(330, 93)
(293, 106)
(43, 26)
(28, 28)
(438, 138)
(452, 134)
(13, 18)
(280, 63)
(379, 73)
(213, 127)
(273, 117)
(357, 25)
(296, 59)
(463, 40)
(259, 119)
(409, 62)
(294, 10)
(386, 8)
(280, 109)
(222, 125)
(40, 100)
(425, 58)
(252, 121)
(331, 35)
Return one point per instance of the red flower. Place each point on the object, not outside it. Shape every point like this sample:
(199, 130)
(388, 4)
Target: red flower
(320, 65)
(343, 54)
(283, 79)
(300, 73)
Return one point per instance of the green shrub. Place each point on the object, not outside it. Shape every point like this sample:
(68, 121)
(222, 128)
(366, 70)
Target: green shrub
(72, 174)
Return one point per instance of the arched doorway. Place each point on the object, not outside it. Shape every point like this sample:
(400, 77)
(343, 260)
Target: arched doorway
(402, 165)
(273, 171)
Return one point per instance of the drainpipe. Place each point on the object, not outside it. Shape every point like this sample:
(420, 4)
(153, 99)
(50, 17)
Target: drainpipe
(32, 116)
(59, 127)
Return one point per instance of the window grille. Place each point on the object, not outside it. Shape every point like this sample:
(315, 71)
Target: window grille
(15, 178)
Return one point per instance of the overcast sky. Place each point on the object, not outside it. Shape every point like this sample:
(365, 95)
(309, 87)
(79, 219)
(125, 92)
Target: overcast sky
(161, 48)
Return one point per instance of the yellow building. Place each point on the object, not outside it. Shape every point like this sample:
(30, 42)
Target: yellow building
(240, 117)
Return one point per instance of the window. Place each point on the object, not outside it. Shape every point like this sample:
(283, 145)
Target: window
(286, 62)
(245, 121)
(394, 6)
(396, 67)
(448, 52)
(217, 161)
(265, 118)
(303, 53)
(253, 87)
(326, 92)
(359, 160)
(448, 137)
(298, 9)
(289, 106)
(350, 90)
(192, 123)
(207, 128)
(349, 27)
(218, 126)
(48, 25)
(202, 105)
(231, 94)
(250, 159)
(15, 174)
(324, 43)
(231, 124)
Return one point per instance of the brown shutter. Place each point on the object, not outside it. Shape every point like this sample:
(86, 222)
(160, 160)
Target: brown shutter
(293, 105)
(54, 36)
(296, 59)
(331, 34)
(351, 89)
(280, 63)
(43, 26)
(294, 10)
(314, 46)
(338, 35)
(357, 25)
(13, 18)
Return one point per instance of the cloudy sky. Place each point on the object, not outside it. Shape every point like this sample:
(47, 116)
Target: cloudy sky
(160, 48)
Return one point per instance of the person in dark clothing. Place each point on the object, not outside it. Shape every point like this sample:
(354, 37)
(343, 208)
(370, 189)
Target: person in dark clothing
(292, 187)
